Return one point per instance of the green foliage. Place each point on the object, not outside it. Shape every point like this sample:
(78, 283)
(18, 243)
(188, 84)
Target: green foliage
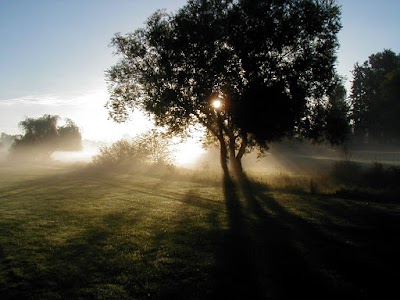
(267, 61)
(375, 98)
(146, 149)
(42, 137)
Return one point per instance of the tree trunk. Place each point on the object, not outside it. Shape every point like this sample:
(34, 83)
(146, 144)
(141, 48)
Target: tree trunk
(236, 159)
(224, 158)
(236, 164)
(237, 168)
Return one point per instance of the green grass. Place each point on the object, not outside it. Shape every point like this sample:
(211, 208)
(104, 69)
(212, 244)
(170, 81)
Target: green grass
(78, 233)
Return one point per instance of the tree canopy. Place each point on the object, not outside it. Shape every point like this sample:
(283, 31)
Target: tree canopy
(42, 136)
(270, 64)
(375, 95)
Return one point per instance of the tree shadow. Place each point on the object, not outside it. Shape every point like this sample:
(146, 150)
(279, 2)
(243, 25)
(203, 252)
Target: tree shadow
(270, 253)
(236, 272)
(100, 261)
(267, 252)
(282, 244)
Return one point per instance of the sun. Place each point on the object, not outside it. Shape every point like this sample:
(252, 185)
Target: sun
(217, 103)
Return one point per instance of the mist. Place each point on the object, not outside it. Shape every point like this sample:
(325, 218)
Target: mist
(290, 157)
(89, 149)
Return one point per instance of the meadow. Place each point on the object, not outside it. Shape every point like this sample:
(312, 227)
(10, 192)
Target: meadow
(75, 232)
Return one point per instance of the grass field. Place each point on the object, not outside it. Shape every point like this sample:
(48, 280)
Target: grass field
(78, 233)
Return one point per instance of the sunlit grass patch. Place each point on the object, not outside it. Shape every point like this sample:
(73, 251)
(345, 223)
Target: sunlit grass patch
(97, 235)
(84, 234)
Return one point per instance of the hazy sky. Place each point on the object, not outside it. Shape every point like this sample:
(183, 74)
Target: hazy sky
(53, 54)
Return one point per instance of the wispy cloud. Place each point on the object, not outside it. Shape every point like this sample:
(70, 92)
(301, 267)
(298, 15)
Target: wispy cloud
(35, 100)
(56, 100)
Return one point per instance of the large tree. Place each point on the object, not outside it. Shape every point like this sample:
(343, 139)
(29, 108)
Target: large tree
(268, 64)
(42, 136)
(375, 97)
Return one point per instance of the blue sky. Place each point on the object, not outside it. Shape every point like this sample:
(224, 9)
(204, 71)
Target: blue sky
(53, 54)
(369, 26)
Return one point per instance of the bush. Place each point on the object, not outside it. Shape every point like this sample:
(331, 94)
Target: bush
(151, 148)
(120, 153)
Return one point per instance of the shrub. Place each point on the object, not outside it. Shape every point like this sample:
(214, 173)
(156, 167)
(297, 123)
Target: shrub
(120, 153)
(151, 148)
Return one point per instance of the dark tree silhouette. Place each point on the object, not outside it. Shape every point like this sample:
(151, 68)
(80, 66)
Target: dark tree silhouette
(330, 120)
(270, 64)
(42, 137)
(390, 89)
(375, 97)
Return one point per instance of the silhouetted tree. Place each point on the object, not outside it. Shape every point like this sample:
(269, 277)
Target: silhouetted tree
(375, 98)
(42, 137)
(390, 112)
(270, 64)
(330, 120)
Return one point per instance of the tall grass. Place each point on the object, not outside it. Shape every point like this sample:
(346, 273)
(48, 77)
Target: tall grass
(343, 177)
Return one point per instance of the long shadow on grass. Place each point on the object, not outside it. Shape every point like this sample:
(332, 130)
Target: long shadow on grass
(237, 274)
(88, 266)
(270, 253)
